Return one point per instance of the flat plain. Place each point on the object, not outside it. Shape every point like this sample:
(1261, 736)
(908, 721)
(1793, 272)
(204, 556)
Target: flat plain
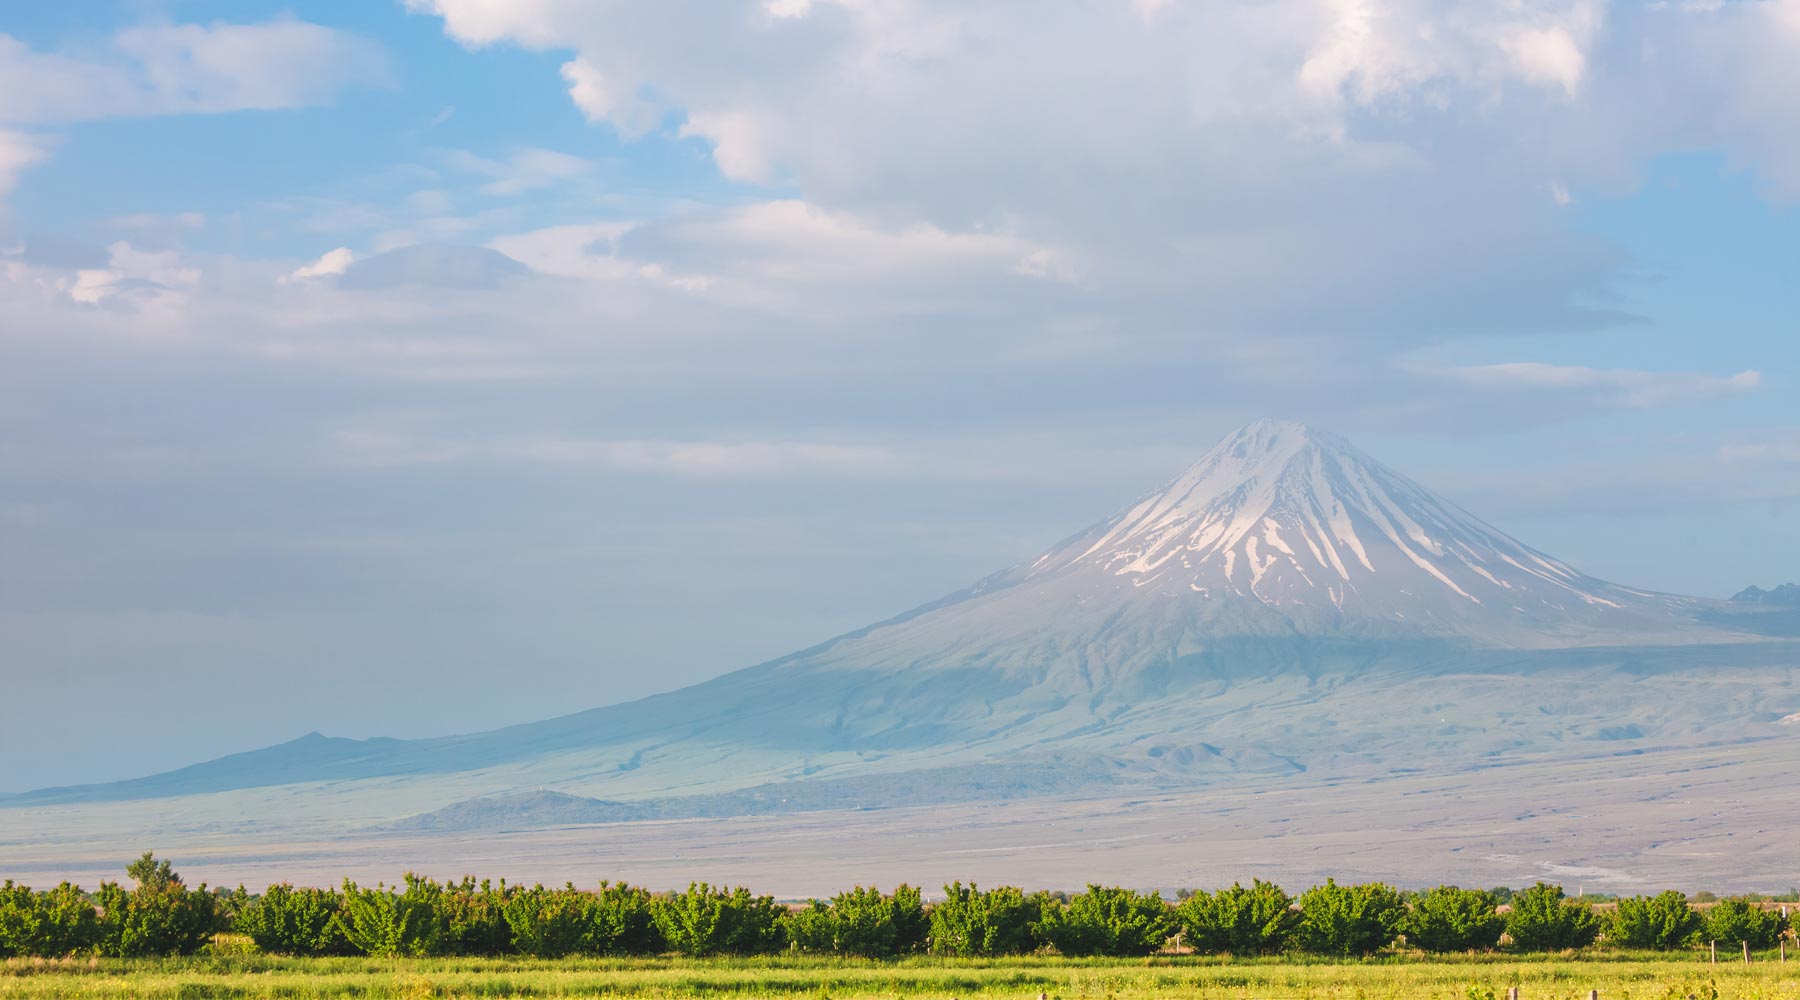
(1711, 818)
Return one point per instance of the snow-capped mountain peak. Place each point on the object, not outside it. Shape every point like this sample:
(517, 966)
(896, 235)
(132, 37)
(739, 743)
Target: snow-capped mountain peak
(1291, 517)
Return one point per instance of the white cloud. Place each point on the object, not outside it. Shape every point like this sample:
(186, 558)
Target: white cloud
(410, 441)
(1615, 387)
(737, 143)
(600, 100)
(329, 264)
(154, 221)
(184, 69)
(19, 151)
(899, 102)
(527, 169)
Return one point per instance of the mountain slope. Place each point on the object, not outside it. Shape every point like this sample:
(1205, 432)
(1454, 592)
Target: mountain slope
(1286, 604)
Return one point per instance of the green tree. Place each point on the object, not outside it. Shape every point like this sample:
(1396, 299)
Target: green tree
(623, 922)
(161, 916)
(1451, 919)
(1349, 919)
(862, 922)
(1258, 920)
(708, 921)
(1108, 921)
(1543, 920)
(812, 929)
(169, 919)
(473, 918)
(1739, 921)
(289, 921)
(550, 923)
(970, 922)
(383, 922)
(151, 874)
(1663, 922)
(20, 921)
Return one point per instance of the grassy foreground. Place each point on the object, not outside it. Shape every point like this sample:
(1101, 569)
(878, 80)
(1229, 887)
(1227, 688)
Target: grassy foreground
(1616, 977)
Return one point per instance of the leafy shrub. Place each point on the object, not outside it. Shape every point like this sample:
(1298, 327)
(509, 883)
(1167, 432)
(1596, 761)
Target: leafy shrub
(383, 922)
(1451, 919)
(59, 922)
(812, 929)
(708, 921)
(472, 918)
(161, 916)
(550, 923)
(970, 922)
(624, 923)
(289, 921)
(1736, 920)
(862, 922)
(1348, 919)
(1661, 922)
(1106, 921)
(1258, 920)
(1542, 920)
(166, 920)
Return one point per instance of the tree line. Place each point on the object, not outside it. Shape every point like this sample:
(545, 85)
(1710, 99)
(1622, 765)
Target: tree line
(161, 915)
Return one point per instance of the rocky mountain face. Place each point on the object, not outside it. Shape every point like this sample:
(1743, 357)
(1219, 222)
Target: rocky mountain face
(1287, 604)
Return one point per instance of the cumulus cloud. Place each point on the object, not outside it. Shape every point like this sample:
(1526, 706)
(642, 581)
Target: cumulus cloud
(1209, 171)
(329, 264)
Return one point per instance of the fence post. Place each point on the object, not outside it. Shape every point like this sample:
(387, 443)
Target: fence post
(1593, 995)
(1512, 993)
(1746, 953)
(1714, 945)
(1783, 943)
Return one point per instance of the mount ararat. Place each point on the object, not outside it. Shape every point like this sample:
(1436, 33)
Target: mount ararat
(1286, 612)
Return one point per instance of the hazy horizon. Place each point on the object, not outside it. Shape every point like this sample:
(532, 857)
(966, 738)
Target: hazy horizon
(407, 369)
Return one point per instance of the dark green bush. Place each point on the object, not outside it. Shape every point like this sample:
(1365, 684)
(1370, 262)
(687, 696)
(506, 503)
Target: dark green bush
(163, 920)
(812, 929)
(1108, 921)
(1258, 920)
(1662, 922)
(555, 922)
(1451, 919)
(550, 923)
(624, 923)
(473, 919)
(970, 922)
(161, 916)
(61, 921)
(383, 922)
(708, 921)
(1348, 919)
(1736, 921)
(1542, 920)
(862, 922)
(289, 921)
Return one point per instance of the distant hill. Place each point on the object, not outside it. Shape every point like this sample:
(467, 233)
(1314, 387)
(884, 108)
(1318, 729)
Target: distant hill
(1786, 594)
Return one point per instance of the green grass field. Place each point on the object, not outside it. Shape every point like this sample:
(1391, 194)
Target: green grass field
(1615, 976)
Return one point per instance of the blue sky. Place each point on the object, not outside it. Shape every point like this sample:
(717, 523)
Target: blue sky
(412, 368)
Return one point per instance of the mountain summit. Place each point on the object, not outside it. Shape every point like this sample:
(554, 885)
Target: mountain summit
(1286, 604)
(1300, 521)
